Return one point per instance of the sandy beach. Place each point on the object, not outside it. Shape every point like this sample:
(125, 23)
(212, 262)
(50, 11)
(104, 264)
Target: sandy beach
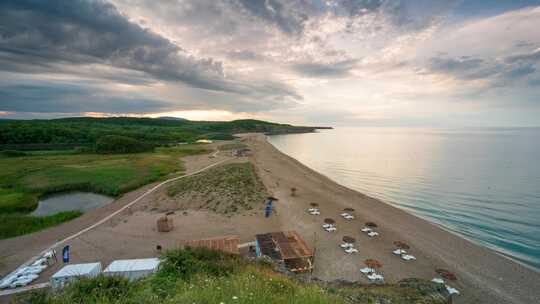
(483, 276)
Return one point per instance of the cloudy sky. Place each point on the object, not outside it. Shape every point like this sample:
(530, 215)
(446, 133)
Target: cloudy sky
(332, 62)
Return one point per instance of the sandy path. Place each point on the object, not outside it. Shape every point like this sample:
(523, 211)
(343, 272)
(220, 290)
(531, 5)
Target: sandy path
(484, 277)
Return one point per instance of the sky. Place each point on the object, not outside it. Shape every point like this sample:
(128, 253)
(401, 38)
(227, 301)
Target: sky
(421, 63)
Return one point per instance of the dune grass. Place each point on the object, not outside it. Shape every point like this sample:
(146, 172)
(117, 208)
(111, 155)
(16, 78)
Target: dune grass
(204, 276)
(24, 179)
(224, 189)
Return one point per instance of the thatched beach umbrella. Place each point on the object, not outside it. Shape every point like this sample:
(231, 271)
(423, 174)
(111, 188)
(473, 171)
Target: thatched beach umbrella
(401, 245)
(446, 274)
(348, 209)
(371, 224)
(271, 198)
(329, 221)
(314, 205)
(349, 239)
(372, 263)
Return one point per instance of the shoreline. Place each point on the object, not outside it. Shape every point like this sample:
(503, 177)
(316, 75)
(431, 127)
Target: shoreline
(478, 243)
(484, 275)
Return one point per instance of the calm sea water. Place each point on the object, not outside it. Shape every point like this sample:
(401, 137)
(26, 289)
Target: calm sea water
(483, 184)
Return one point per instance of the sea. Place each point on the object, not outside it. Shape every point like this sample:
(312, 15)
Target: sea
(480, 183)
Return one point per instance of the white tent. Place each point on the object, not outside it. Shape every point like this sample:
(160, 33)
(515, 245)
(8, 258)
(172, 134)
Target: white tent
(132, 269)
(72, 272)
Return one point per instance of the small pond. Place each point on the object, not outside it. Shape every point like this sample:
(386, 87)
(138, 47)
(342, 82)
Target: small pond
(71, 201)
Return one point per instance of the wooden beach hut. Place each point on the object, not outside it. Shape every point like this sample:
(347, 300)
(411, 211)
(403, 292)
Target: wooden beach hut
(287, 247)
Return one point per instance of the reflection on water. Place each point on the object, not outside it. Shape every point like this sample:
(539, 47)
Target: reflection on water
(483, 184)
(71, 201)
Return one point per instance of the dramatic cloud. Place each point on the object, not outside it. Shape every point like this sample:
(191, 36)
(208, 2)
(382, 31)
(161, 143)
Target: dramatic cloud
(298, 61)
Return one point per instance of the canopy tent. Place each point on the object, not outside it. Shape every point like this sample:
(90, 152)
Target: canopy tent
(73, 272)
(132, 269)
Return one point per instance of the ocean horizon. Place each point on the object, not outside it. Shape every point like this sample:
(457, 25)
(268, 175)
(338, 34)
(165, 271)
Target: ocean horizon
(480, 183)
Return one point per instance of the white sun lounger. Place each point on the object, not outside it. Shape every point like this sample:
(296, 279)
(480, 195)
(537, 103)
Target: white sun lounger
(408, 257)
(327, 225)
(315, 213)
(344, 214)
(312, 209)
(437, 280)
(451, 290)
(367, 270)
(399, 252)
(39, 262)
(346, 245)
(375, 277)
(351, 250)
(372, 234)
(330, 229)
(366, 229)
(6, 282)
(349, 217)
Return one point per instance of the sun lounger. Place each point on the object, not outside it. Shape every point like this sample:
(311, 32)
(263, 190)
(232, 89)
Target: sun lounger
(451, 290)
(437, 280)
(349, 217)
(367, 270)
(23, 281)
(6, 282)
(315, 213)
(330, 229)
(372, 234)
(312, 209)
(408, 257)
(344, 214)
(39, 262)
(346, 245)
(327, 225)
(366, 229)
(399, 252)
(351, 250)
(375, 277)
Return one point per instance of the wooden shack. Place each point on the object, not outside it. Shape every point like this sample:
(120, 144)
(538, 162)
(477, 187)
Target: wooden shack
(165, 224)
(223, 243)
(287, 247)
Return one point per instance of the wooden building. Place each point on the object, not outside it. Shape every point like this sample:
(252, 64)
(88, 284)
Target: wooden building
(287, 247)
(224, 243)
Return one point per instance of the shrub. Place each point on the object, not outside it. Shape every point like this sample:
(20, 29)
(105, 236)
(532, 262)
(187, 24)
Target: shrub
(13, 153)
(110, 144)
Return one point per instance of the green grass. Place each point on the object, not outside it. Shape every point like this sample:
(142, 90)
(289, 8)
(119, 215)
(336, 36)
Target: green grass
(17, 224)
(203, 276)
(24, 179)
(224, 189)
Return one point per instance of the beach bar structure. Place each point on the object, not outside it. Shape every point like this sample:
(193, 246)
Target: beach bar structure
(132, 269)
(74, 272)
(287, 247)
(223, 243)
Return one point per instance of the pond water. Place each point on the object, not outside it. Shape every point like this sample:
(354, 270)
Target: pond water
(71, 201)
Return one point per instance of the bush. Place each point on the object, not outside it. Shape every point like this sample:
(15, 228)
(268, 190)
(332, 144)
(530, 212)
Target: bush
(121, 144)
(187, 262)
(13, 153)
(14, 224)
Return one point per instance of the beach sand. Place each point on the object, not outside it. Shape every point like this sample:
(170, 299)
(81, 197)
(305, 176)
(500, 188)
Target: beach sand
(483, 276)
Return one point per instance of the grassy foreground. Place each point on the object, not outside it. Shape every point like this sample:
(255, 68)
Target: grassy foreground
(224, 189)
(203, 276)
(24, 179)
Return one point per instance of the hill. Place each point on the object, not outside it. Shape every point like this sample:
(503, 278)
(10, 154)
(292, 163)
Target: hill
(66, 133)
(204, 276)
